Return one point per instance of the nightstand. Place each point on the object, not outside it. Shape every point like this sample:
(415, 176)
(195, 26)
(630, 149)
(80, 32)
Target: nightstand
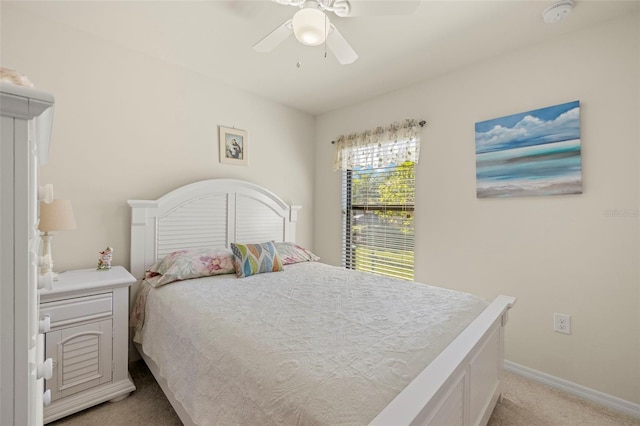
(88, 313)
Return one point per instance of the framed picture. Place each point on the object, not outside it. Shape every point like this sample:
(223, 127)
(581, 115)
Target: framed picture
(233, 146)
(538, 152)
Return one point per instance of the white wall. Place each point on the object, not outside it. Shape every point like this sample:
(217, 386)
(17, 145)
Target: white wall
(556, 254)
(128, 126)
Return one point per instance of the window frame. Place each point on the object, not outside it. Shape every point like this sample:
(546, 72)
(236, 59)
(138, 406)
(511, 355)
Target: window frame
(349, 257)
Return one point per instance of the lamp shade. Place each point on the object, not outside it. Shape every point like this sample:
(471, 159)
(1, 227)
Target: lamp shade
(310, 26)
(57, 216)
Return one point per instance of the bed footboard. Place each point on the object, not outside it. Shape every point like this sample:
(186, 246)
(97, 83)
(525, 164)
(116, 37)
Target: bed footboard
(462, 385)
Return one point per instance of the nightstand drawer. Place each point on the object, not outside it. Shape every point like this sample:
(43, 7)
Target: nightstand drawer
(78, 309)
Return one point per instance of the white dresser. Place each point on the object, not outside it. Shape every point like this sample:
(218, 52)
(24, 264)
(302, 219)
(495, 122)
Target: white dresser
(88, 311)
(25, 132)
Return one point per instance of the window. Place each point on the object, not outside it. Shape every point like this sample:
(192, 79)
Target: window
(378, 220)
(378, 200)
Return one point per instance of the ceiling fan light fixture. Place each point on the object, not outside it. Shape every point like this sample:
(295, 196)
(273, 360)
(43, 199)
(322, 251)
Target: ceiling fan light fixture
(311, 26)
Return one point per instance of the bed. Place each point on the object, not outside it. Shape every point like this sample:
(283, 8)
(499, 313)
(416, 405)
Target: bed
(228, 369)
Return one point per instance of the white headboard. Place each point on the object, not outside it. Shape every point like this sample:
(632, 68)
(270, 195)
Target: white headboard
(209, 213)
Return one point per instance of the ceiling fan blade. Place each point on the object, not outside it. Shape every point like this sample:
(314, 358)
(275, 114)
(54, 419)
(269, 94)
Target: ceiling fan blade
(345, 8)
(290, 2)
(340, 47)
(274, 38)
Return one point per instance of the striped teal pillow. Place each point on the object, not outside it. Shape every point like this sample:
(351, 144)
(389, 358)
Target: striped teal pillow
(251, 259)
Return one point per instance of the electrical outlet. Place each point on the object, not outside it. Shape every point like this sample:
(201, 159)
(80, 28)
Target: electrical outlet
(562, 323)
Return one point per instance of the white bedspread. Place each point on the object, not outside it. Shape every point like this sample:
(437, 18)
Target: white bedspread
(313, 344)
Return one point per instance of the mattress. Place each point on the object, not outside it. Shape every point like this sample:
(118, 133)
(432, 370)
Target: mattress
(313, 344)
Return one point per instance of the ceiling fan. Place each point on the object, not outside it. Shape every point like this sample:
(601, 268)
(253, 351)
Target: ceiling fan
(311, 25)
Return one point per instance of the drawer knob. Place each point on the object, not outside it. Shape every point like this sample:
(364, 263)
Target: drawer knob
(45, 370)
(45, 193)
(45, 281)
(45, 324)
(46, 397)
(34, 247)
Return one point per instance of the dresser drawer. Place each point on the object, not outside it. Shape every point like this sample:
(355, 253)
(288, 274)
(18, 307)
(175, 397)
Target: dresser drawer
(78, 309)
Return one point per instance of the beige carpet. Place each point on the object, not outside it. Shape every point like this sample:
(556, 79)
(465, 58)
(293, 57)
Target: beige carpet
(530, 403)
(525, 403)
(147, 405)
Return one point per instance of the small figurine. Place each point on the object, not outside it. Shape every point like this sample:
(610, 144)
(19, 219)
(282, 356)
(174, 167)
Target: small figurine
(105, 259)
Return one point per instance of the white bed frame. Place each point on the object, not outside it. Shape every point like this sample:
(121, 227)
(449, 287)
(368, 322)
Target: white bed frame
(460, 387)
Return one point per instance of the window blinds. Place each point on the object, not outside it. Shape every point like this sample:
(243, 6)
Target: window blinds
(378, 228)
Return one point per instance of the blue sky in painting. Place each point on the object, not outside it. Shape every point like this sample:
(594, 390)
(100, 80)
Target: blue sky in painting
(541, 126)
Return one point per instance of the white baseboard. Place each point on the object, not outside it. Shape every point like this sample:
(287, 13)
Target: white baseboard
(609, 401)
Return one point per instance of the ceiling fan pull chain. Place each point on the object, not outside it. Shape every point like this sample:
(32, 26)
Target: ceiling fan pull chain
(325, 39)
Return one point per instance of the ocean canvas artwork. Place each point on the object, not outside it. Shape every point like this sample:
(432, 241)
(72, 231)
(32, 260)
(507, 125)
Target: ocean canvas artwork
(530, 154)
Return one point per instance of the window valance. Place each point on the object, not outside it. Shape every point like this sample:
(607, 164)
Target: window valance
(381, 147)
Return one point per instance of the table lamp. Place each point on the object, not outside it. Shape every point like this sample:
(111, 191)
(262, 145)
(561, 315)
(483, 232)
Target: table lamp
(56, 216)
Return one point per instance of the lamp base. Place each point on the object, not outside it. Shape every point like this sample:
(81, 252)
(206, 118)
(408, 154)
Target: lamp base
(46, 262)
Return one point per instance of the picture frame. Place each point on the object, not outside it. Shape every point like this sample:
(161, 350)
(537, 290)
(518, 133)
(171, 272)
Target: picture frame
(234, 145)
(532, 153)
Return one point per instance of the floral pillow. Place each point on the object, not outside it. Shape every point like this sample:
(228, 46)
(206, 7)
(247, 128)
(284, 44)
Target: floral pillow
(193, 263)
(292, 253)
(251, 259)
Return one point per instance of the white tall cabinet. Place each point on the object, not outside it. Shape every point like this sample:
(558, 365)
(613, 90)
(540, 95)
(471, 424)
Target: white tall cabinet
(25, 132)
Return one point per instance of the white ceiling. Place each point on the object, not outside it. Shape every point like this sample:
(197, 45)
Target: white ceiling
(215, 38)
